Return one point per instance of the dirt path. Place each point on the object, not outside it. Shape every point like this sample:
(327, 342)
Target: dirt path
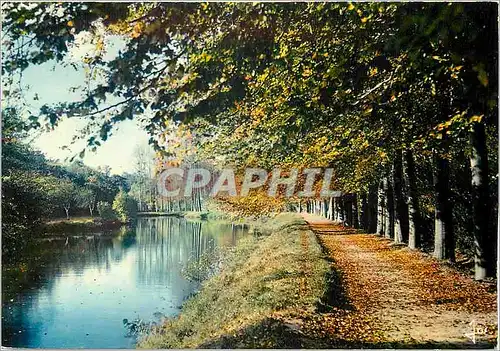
(386, 295)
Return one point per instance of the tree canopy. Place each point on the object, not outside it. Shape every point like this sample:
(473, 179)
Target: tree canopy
(349, 76)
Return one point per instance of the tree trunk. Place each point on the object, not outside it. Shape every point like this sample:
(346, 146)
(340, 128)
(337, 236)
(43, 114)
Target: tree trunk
(414, 237)
(354, 211)
(335, 209)
(66, 209)
(363, 212)
(330, 209)
(372, 209)
(342, 217)
(444, 241)
(400, 207)
(359, 201)
(345, 212)
(389, 213)
(483, 244)
(381, 208)
(140, 198)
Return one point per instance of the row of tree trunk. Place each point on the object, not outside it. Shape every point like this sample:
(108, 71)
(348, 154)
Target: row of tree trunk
(162, 204)
(391, 208)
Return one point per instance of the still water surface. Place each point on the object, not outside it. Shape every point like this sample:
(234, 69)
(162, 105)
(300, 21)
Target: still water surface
(75, 292)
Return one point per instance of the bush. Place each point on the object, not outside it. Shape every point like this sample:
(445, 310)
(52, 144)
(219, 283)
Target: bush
(105, 211)
(125, 207)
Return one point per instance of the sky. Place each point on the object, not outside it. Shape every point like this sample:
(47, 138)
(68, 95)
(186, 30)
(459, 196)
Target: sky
(51, 82)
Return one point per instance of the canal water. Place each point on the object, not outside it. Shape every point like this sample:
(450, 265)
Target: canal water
(80, 291)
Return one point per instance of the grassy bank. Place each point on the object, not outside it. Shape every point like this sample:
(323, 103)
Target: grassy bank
(83, 224)
(266, 284)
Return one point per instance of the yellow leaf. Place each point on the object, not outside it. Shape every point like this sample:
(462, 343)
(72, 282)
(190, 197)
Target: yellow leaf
(138, 28)
(307, 72)
(350, 7)
(483, 77)
(476, 118)
(364, 19)
(71, 23)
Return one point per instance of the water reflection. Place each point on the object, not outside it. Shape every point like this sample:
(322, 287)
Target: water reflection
(76, 291)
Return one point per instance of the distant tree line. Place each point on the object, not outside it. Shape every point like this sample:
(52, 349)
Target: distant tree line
(35, 189)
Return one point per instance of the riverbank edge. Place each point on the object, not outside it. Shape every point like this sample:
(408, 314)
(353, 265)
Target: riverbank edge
(95, 224)
(267, 282)
(193, 215)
